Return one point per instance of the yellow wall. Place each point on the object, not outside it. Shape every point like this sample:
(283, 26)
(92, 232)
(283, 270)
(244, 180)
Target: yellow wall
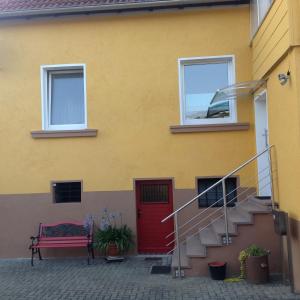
(132, 94)
(275, 50)
(272, 39)
(284, 125)
(283, 111)
(294, 21)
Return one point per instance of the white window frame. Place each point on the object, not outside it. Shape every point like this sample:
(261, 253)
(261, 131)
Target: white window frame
(182, 62)
(259, 19)
(46, 75)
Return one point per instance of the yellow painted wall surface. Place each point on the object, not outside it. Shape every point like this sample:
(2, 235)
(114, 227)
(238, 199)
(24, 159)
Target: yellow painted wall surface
(284, 124)
(294, 21)
(275, 50)
(283, 112)
(132, 94)
(272, 39)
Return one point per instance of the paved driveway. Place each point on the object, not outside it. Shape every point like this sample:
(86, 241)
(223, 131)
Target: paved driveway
(74, 279)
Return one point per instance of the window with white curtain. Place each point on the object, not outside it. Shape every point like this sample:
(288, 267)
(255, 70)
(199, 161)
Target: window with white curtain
(259, 9)
(64, 100)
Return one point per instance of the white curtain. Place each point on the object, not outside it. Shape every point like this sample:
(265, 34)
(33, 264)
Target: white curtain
(67, 98)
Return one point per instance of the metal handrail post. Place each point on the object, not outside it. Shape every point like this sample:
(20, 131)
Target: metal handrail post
(271, 178)
(215, 184)
(177, 244)
(225, 211)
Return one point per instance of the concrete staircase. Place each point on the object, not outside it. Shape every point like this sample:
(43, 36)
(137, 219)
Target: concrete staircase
(248, 222)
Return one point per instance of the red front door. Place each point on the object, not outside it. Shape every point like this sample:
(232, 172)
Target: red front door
(154, 202)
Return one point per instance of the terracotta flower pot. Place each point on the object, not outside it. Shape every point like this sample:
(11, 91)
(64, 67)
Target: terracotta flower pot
(112, 249)
(257, 269)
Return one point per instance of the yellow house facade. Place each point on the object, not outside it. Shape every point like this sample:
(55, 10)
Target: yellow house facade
(275, 48)
(100, 110)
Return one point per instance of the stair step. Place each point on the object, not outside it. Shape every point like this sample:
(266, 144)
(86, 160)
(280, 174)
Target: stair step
(208, 237)
(194, 248)
(266, 202)
(220, 228)
(183, 257)
(253, 207)
(239, 216)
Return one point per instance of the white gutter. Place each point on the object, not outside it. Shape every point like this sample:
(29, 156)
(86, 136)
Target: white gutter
(112, 7)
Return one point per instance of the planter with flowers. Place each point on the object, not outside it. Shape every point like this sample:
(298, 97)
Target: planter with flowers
(254, 264)
(113, 238)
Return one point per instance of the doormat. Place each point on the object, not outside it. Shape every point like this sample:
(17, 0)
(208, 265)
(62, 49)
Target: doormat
(160, 270)
(153, 258)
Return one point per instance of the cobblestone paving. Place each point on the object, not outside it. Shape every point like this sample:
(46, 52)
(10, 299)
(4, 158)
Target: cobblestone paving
(74, 279)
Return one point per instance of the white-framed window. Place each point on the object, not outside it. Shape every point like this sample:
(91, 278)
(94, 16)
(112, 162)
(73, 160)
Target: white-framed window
(259, 9)
(64, 104)
(199, 79)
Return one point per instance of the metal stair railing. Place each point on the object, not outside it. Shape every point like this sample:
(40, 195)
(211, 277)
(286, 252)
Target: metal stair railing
(213, 205)
(225, 203)
(211, 214)
(217, 218)
(215, 211)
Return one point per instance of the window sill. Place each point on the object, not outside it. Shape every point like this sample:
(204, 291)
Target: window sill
(45, 134)
(209, 127)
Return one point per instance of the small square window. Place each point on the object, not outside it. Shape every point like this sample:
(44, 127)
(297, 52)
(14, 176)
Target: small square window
(216, 193)
(66, 192)
(200, 78)
(64, 100)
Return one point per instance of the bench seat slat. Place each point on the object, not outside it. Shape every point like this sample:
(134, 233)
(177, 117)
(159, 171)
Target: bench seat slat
(61, 245)
(65, 242)
(63, 238)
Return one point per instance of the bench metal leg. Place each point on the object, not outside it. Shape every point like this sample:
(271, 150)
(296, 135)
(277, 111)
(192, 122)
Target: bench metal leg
(89, 251)
(93, 253)
(32, 255)
(40, 255)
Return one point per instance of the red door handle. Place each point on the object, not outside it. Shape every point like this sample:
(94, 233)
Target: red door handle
(139, 213)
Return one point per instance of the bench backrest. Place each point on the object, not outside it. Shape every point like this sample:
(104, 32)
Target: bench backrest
(65, 230)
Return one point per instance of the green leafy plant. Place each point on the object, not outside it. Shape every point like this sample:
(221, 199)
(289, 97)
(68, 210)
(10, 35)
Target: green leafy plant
(122, 236)
(112, 231)
(252, 250)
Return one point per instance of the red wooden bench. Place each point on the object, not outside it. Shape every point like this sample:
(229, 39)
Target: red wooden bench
(62, 235)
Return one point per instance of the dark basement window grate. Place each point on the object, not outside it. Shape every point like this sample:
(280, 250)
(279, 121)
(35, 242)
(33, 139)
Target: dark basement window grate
(216, 193)
(155, 193)
(66, 192)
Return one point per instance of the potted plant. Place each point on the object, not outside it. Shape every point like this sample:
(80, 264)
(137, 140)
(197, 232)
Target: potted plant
(217, 270)
(112, 237)
(254, 264)
(114, 241)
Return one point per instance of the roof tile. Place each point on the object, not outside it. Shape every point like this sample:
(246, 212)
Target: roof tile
(24, 5)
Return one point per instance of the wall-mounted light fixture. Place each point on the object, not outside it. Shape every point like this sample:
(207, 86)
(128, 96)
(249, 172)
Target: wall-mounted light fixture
(283, 78)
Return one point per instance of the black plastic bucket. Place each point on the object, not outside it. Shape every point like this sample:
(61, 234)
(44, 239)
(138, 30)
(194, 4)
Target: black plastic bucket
(217, 270)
